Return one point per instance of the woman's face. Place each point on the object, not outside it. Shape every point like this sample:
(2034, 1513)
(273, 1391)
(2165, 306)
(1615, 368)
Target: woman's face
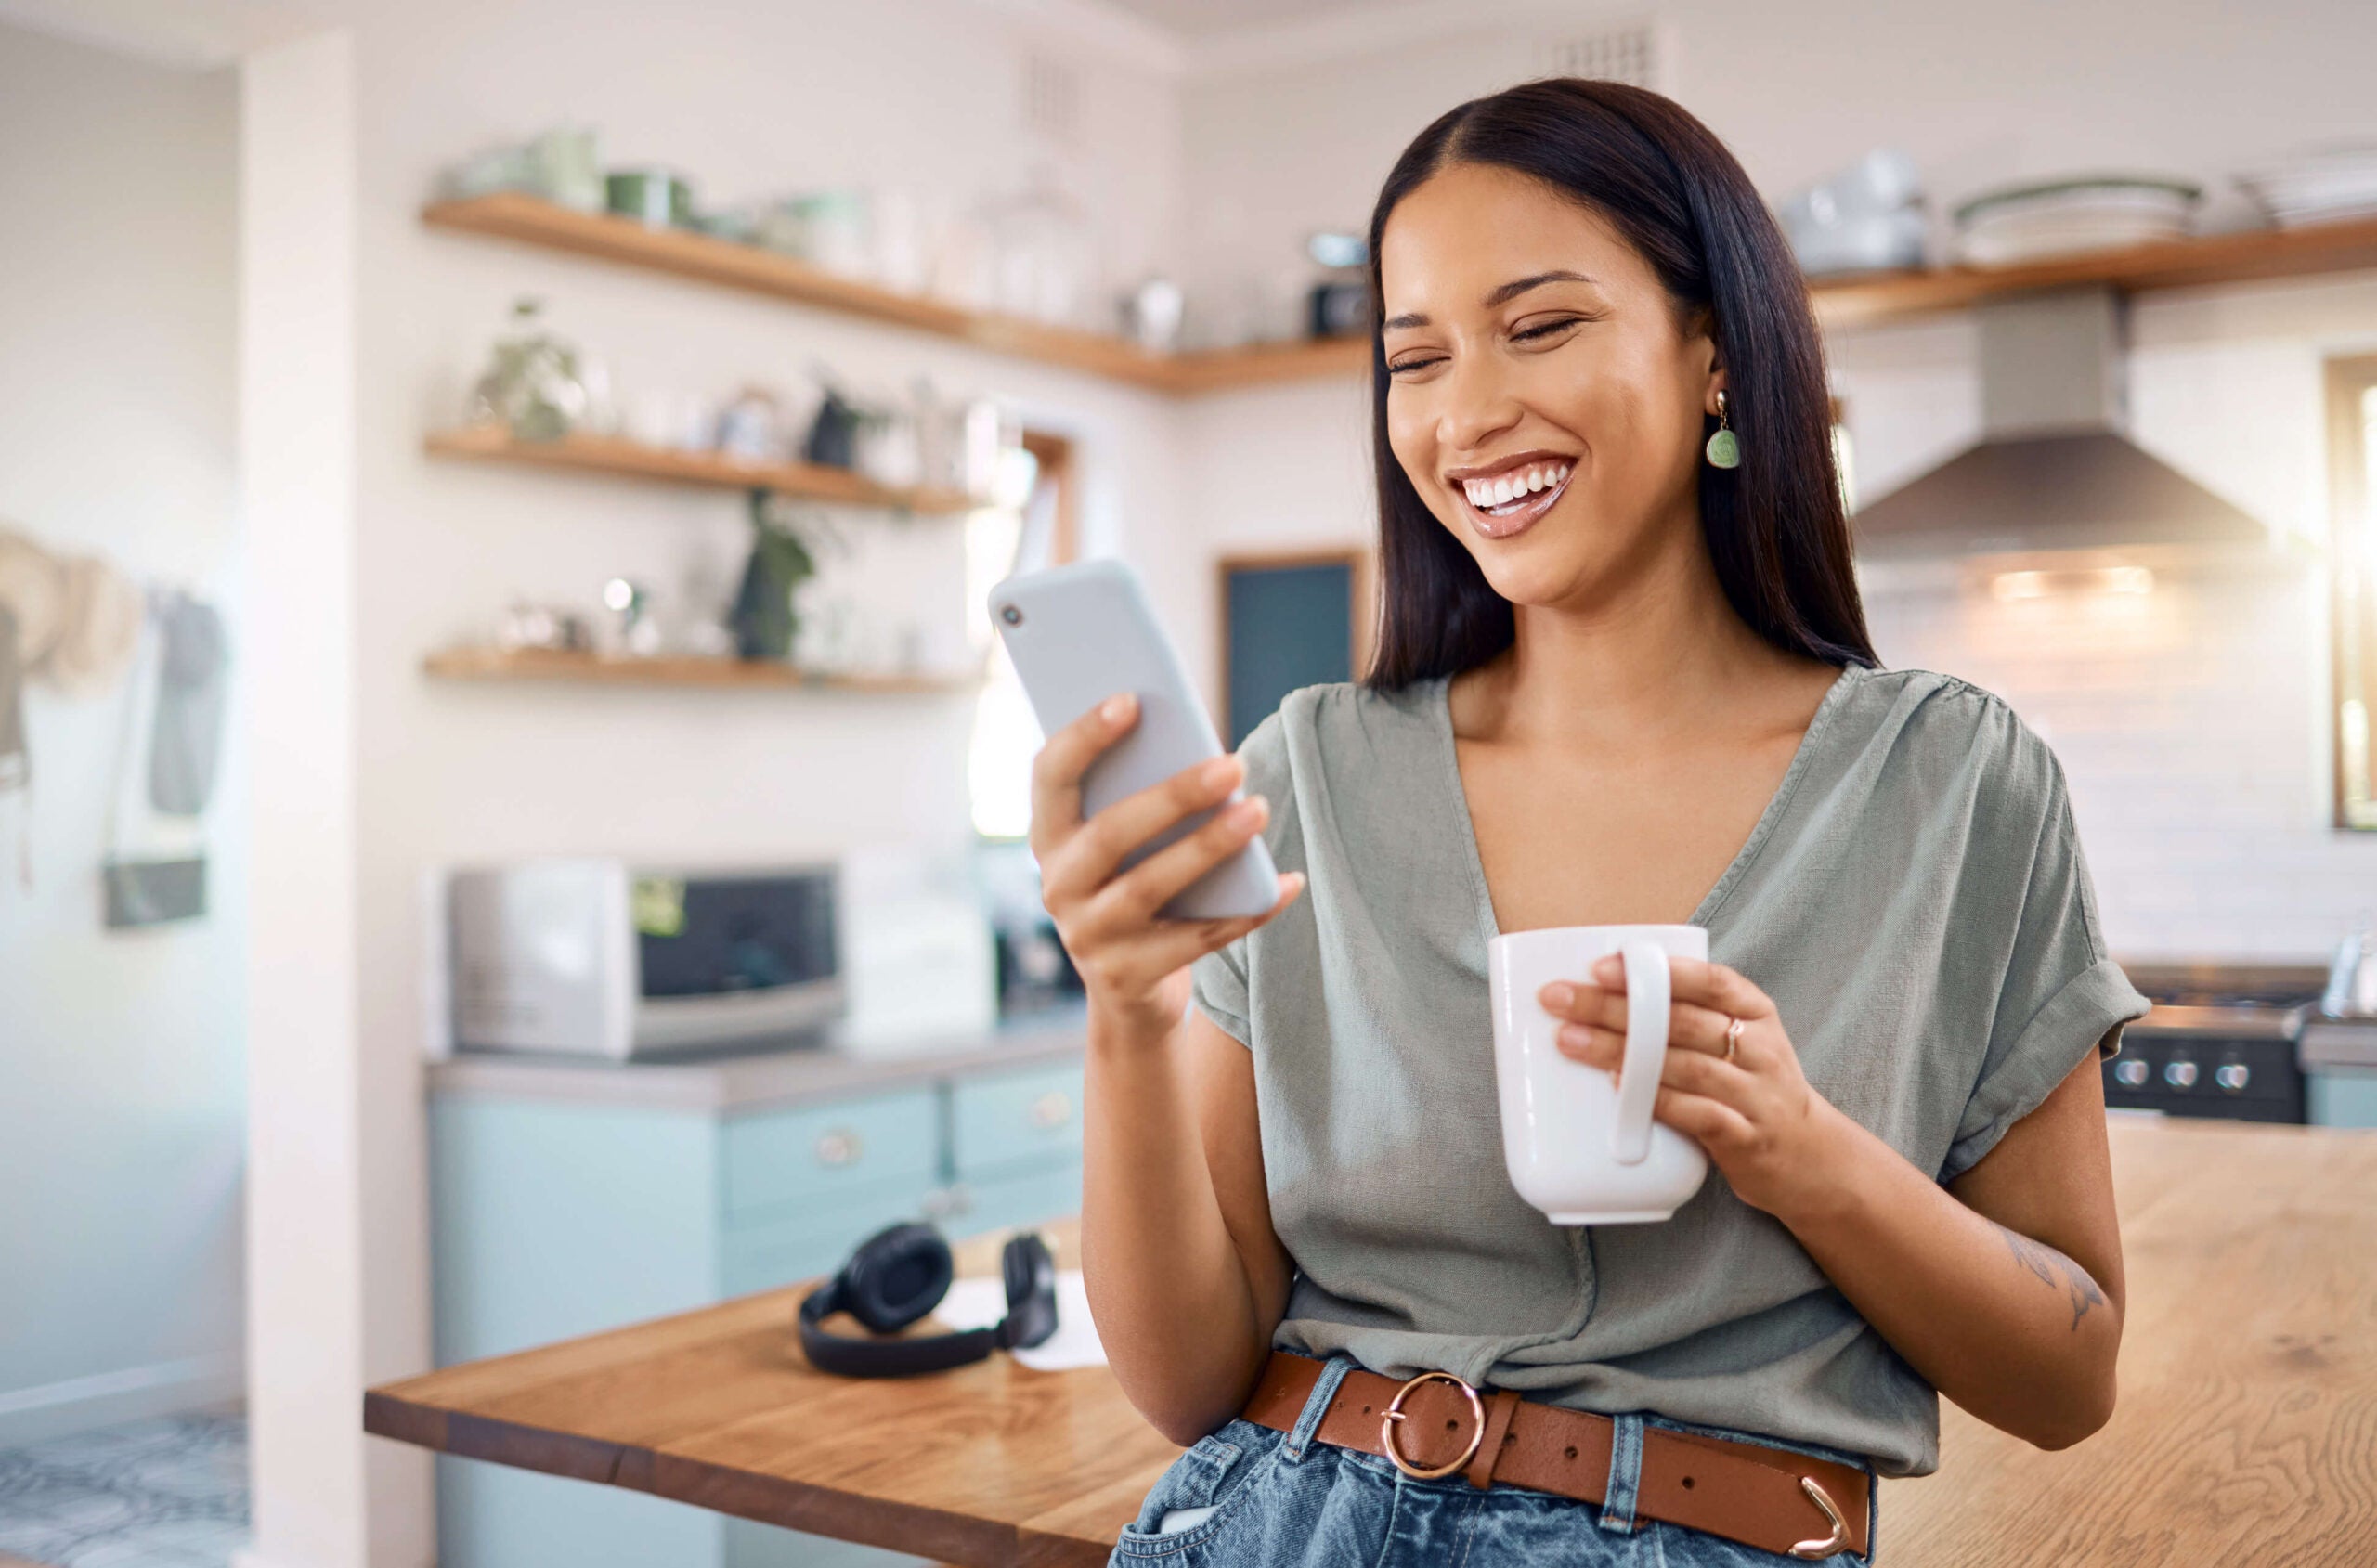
(1542, 398)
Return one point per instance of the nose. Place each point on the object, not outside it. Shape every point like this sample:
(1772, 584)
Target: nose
(1478, 404)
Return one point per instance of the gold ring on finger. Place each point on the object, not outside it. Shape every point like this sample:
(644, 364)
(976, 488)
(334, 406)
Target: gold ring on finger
(1732, 1037)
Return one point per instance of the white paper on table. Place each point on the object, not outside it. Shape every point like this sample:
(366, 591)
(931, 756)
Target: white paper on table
(980, 1303)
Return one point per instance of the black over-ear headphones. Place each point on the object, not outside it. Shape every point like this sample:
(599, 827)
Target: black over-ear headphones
(900, 1274)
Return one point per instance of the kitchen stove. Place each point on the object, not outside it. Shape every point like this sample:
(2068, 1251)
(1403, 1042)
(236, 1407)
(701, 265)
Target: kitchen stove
(2219, 1042)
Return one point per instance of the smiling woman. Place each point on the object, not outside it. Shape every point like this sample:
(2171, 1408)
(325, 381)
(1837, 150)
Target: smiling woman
(1622, 681)
(1642, 276)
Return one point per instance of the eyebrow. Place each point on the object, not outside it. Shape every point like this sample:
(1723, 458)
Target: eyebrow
(1503, 295)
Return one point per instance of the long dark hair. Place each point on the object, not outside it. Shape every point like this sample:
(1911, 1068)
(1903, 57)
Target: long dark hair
(1774, 526)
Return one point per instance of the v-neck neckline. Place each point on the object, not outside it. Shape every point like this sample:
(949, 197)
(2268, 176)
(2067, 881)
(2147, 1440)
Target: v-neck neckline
(1490, 924)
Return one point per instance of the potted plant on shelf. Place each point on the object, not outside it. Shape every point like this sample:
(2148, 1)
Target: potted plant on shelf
(764, 620)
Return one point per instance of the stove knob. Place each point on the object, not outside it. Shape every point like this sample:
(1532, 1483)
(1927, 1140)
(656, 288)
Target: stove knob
(2179, 1074)
(2130, 1073)
(2232, 1076)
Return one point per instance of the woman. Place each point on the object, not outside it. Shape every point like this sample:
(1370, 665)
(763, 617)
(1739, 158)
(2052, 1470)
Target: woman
(1619, 679)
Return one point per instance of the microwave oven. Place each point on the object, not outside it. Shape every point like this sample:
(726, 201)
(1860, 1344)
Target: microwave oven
(603, 957)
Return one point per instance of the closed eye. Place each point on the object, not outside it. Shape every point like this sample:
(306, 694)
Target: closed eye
(1546, 329)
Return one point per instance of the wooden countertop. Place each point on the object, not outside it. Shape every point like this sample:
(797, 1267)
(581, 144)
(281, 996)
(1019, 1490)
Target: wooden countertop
(2246, 1433)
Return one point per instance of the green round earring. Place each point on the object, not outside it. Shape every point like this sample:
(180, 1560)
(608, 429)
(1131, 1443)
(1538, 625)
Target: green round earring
(1724, 448)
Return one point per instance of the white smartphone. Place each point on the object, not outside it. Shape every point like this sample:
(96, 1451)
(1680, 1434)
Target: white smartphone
(1079, 634)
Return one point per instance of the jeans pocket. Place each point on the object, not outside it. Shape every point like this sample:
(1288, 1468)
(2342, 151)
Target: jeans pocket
(1682, 1547)
(1207, 1482)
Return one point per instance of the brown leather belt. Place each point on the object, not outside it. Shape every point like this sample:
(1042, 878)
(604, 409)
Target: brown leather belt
(1436, 1426)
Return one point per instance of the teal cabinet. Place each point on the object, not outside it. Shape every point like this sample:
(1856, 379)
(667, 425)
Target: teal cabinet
(553, 1217)
(2342, 1097)
(1015, 1148)
(999, 1120)
(809, 1159)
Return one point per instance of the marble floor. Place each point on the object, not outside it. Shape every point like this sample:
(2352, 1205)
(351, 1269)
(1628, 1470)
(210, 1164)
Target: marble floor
(170, 1493)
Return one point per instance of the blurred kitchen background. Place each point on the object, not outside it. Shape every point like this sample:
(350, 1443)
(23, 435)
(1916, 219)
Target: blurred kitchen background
(508, 811)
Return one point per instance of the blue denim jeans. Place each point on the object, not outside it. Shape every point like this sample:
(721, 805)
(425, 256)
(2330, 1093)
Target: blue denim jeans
(1247, 1496)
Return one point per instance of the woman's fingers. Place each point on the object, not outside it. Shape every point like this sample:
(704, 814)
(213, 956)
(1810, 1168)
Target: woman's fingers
(1140, 893)
(1692, 1070)
(1057, 770)
(1087, 860)
(1156, 950)
(1693, 1028)
(1710, 1123)
(1707, 998)
(1716, 988)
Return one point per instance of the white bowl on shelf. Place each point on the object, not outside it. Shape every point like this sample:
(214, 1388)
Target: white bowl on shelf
(2072, 217)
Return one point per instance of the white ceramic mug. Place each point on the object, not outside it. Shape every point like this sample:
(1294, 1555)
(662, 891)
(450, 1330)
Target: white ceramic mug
(1579, 1148)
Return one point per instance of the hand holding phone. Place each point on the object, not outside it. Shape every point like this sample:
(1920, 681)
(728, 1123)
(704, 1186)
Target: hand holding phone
(1148, 859)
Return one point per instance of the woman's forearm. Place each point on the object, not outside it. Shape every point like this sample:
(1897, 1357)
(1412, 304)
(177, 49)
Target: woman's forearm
(1176, 1308)
(2013, 1330)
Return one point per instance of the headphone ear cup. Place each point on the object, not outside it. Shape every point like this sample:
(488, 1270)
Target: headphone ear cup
(896, 1276)
(1031, 1277)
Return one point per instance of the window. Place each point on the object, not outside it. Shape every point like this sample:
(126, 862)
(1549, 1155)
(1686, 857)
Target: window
(1030, 526)
(2352, 444)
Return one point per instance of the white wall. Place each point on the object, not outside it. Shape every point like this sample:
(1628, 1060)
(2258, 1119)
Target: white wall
(297, 441)
(751, 100)
(2197, 852)
(119, 1053)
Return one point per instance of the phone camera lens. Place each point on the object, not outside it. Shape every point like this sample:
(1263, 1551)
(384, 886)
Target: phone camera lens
(1010, 614)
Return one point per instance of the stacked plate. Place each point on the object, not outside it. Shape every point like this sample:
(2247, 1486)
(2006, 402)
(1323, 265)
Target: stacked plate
(2068, 216)
(2324, 187)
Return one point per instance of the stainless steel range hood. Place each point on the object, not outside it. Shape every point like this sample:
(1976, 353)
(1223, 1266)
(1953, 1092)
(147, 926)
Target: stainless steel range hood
(2053, 472)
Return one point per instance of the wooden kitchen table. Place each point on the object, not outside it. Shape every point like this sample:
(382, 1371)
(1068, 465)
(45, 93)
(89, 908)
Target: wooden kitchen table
(2246, 1433)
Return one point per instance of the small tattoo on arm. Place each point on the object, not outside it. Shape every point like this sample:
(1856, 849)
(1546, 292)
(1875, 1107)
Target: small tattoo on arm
(2052, 1267)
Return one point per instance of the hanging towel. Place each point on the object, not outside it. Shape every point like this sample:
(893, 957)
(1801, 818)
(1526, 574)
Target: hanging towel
(32, 588)
(186, 737)
(104, 612)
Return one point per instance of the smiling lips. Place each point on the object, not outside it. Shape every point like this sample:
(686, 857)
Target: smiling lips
(1505, 503)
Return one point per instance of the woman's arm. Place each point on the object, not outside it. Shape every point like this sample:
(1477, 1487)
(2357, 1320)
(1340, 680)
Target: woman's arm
(2003, 1289)
(1185, 1275)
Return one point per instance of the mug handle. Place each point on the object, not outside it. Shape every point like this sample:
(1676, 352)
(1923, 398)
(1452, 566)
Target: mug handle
(1647, 1000)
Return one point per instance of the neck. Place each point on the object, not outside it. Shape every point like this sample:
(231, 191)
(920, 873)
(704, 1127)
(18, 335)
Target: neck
(1658, 650)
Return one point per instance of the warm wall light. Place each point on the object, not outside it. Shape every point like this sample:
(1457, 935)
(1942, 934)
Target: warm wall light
(2101, 579)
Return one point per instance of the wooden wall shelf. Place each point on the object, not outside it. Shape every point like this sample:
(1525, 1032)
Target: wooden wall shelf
(538, 664)
(2170, 263)
(1264, 364)
(709, 259)
(1841, 301)
(608, 455)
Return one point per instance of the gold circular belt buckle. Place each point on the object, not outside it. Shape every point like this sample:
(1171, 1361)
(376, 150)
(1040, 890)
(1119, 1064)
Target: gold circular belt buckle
(1396, 1413)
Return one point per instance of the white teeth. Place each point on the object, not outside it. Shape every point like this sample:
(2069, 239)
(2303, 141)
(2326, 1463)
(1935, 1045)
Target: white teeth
(1505, 488)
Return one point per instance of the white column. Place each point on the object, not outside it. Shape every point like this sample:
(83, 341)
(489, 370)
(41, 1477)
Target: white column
(298, 281)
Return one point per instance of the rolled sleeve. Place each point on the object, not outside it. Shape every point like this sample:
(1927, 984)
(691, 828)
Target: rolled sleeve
(2085, 1016)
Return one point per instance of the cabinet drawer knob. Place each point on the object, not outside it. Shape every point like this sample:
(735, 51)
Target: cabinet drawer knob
(1052, 1110)
(839, 1146)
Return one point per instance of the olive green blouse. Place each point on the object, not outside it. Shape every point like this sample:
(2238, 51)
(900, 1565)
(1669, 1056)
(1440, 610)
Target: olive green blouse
(1915, 901)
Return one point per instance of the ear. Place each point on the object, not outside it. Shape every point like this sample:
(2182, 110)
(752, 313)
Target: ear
(1702, 347)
